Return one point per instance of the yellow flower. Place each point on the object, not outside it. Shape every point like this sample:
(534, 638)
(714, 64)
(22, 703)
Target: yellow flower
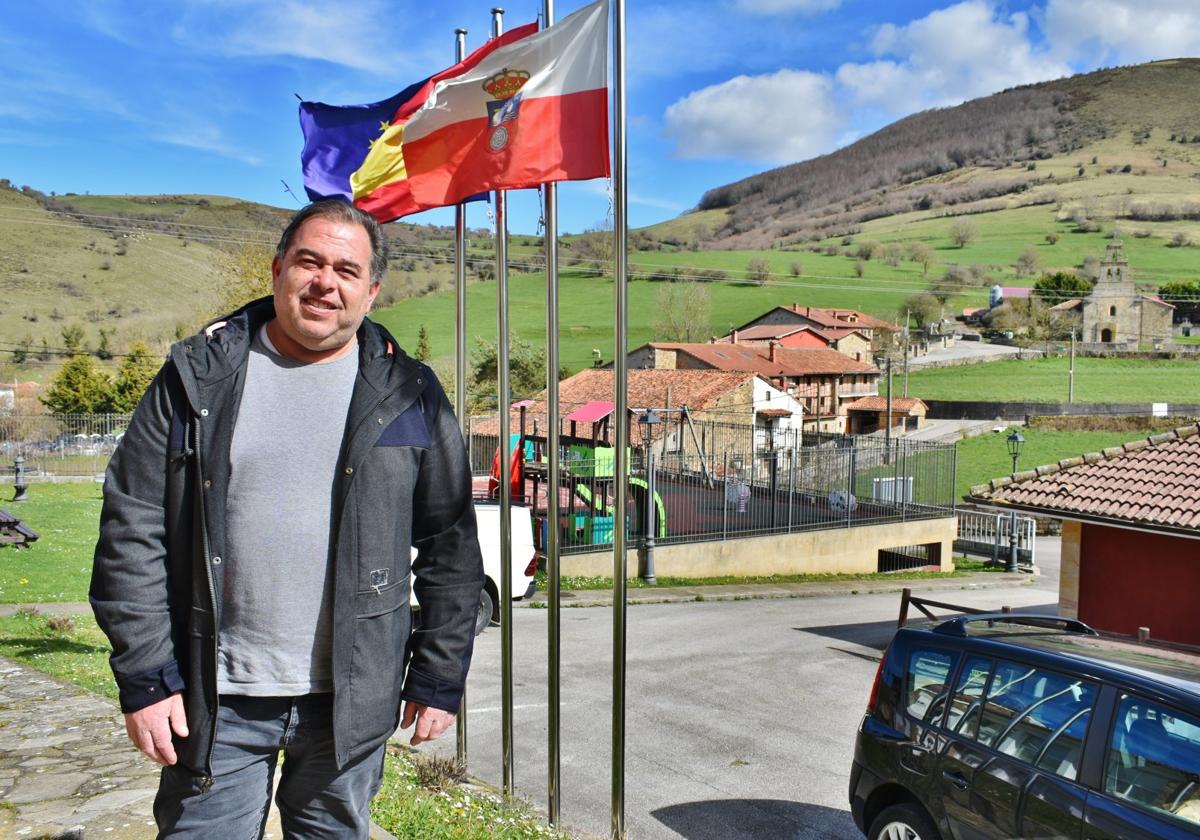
(23, 581)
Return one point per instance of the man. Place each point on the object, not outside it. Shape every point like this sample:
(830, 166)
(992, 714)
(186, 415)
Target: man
(252, 571)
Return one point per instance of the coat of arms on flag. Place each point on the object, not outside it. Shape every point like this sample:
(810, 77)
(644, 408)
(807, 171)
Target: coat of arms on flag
(506, 87)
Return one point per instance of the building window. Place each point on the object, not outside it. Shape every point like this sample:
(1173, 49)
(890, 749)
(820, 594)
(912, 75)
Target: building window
(1112, 311)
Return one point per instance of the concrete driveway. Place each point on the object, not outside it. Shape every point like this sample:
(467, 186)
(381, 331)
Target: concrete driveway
(740, 715)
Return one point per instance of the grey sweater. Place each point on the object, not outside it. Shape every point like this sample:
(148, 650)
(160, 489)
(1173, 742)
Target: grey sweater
(275, 637)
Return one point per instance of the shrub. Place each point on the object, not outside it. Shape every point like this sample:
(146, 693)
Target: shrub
(1051, 238)
(438, 772)
(61, 624)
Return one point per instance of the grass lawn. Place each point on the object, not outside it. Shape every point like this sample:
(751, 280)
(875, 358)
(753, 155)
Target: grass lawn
(406, 808)
(1045, 380)
(71, 648)
(981, 459)
(576, 582)
(58, 566)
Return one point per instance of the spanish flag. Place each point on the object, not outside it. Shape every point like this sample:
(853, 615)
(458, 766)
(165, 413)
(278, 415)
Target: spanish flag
(525, 109)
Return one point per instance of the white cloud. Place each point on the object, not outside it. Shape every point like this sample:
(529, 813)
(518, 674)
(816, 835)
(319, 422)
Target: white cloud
(206, 138)
(950, 55)
(1123, 31)
(782, 117)
(347, 33)
(775, 7)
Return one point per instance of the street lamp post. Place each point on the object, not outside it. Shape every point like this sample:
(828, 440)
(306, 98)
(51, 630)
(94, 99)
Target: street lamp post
(651, 419)
(1015, 442)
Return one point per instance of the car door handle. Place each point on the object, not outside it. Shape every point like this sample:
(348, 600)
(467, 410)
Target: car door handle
(955, 778)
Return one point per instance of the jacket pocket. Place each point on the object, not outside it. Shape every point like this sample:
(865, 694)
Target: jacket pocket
(382, 624)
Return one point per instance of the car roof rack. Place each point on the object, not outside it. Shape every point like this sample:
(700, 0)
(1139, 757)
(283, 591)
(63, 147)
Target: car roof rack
(958, 626)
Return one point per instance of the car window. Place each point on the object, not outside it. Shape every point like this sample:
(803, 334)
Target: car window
(966, 704)
(928, 673)
(1039, 717)
(1154, 758)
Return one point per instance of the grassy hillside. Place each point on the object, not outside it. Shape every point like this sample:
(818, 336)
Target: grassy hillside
(58, 272)
(956, 157)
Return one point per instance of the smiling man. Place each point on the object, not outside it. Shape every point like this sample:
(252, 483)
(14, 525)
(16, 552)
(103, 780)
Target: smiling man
(252, 571)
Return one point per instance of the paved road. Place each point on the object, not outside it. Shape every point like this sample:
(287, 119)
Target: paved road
(741, 715)
(969, 352)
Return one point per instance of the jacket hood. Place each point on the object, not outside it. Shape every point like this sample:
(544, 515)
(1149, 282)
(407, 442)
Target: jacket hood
(220, 350)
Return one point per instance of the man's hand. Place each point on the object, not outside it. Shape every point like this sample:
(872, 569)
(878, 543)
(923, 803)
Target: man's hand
(150, 728)
(431, 722)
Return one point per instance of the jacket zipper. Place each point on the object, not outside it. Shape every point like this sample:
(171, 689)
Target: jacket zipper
(206, 781)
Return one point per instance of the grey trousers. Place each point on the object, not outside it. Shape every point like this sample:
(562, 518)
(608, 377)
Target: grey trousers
(315, 799)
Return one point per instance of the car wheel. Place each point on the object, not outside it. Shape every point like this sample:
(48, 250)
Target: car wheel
(486, 608)
(904, 821)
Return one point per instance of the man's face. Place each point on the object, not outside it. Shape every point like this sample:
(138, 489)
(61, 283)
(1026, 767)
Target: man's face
(323, 290)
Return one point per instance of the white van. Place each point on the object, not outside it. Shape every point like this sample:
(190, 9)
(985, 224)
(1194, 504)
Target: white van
(524, 559)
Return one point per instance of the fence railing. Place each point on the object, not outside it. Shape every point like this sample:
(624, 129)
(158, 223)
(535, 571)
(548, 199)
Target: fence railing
(59, 445)
(754, 493)
(989, 535)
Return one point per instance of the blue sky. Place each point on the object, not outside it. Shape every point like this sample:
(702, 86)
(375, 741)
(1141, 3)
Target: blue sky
(196, 96)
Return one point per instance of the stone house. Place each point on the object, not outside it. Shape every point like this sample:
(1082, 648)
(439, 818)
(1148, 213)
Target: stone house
(823, 380)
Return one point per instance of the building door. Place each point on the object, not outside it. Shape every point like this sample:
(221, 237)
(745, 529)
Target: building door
(1106, 335)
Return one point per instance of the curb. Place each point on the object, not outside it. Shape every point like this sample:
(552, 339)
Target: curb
(762, 592)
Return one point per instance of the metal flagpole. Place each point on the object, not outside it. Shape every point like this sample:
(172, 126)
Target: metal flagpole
(505, 594)
(553, 569)
(621, 456)
(460, 356)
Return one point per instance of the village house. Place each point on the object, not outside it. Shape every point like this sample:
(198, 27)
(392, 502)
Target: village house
(869, 326)
(1130, 532)
(823, 380)
(870, 414)
(713, 399)
(848, 340)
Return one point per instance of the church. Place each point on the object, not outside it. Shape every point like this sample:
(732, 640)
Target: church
(1116, 314)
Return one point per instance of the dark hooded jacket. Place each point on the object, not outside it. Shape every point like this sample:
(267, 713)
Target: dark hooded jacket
(402, 480)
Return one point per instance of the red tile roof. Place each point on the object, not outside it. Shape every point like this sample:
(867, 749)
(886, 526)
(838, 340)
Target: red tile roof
(1152, 483)
(838, 333)
(841, 317)
(879, 403)
(766, 331)
(697, 389)
(788, 361)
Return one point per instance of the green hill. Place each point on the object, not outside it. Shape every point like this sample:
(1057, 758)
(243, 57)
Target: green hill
(1051, 170)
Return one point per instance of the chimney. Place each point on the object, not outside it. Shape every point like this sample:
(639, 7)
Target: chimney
(772, 351)
(733, 337)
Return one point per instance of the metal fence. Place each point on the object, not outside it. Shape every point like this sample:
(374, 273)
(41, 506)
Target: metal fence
(59, 445)
(755, 493)
(989, 535)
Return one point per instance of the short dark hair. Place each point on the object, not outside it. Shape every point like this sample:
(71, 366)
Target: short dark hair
(340, 211)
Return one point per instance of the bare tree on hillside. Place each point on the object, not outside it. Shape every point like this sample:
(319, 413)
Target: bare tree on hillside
(921, 253)
(963, 232)
(684, 312)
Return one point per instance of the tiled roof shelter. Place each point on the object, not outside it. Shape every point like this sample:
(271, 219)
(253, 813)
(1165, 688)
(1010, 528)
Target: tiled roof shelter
(1153, 483)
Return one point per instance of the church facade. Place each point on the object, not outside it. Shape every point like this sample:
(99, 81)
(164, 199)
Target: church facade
(1116, 314)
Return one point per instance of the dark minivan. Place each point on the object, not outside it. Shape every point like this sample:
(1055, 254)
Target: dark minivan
(1008, 725)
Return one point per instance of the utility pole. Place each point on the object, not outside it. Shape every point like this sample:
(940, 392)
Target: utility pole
(887, 432)
(1071, 374)
(906, 317)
